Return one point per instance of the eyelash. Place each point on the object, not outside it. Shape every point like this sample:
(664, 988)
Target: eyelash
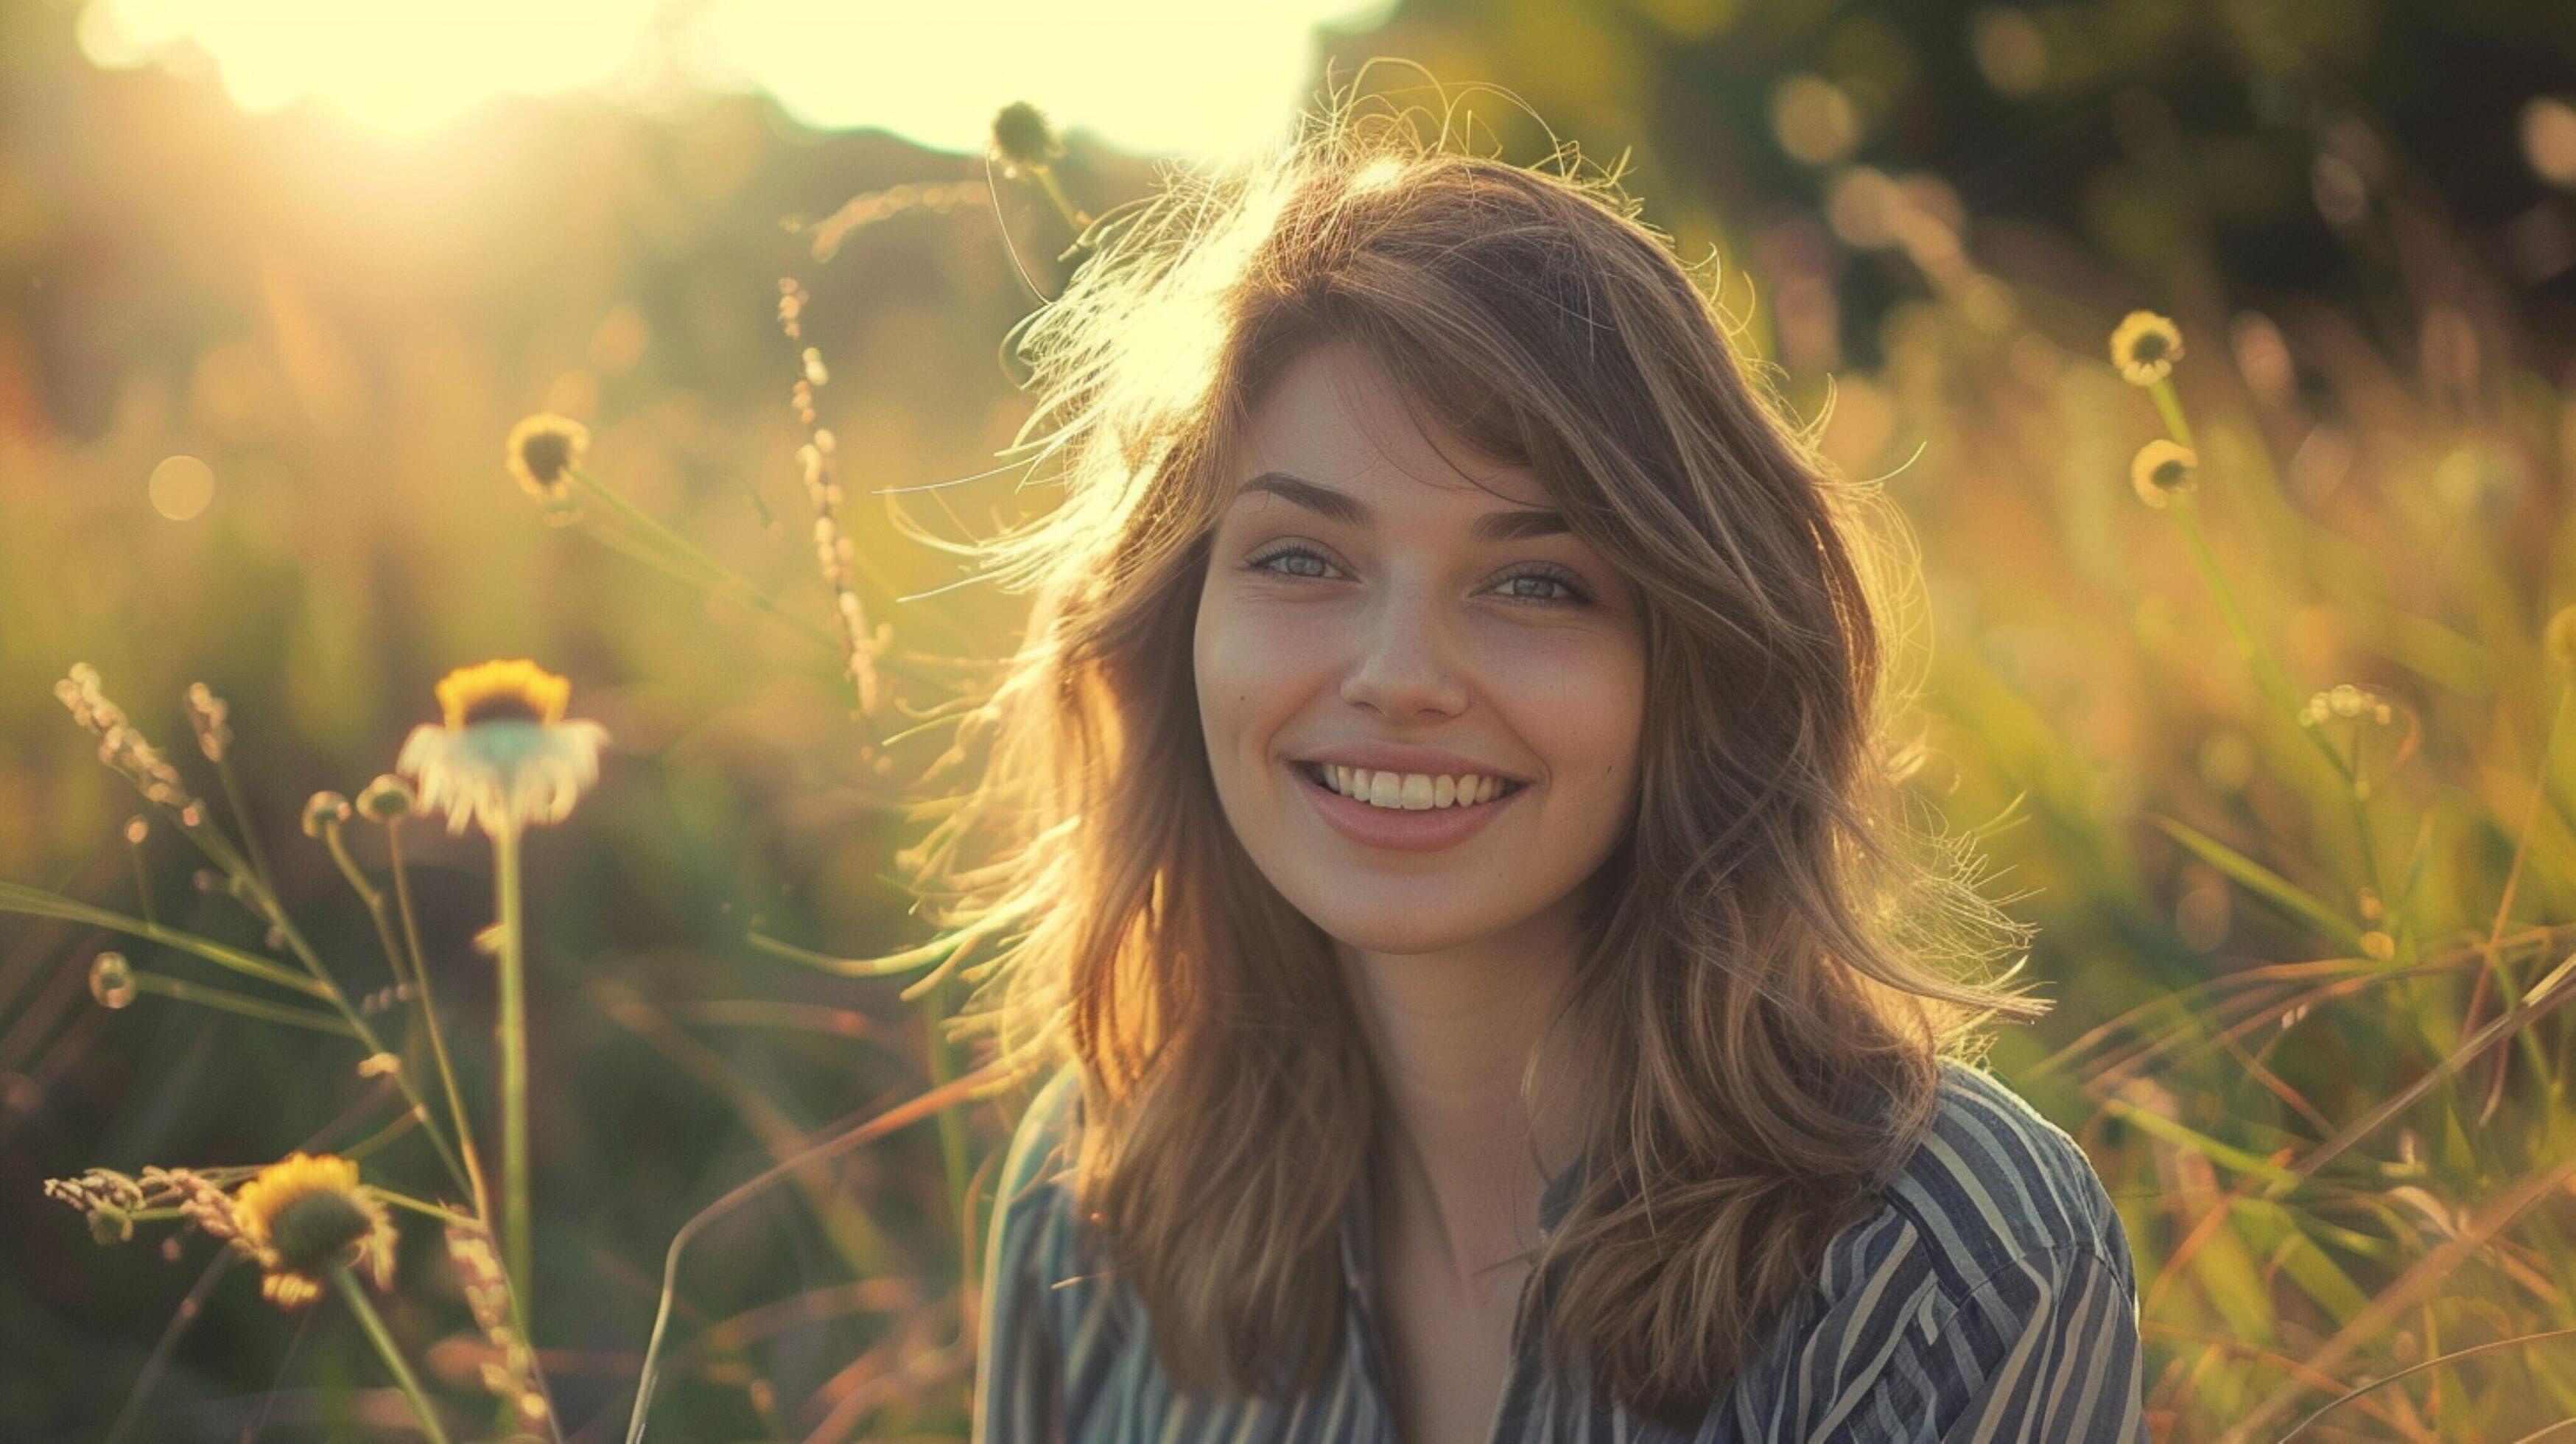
(1545, 571)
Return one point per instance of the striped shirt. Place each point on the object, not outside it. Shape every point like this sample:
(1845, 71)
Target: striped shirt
(1990, 1297)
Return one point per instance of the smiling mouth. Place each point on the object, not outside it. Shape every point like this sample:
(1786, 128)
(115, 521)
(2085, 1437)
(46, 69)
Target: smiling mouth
(1409, 791)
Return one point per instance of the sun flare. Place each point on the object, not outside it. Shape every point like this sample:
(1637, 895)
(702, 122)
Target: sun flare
(1151, 75)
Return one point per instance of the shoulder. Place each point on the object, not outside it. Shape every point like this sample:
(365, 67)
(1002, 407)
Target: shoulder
(1038, 1151)
(1994, 1265)
(1993, 1182)
(1037, 1258)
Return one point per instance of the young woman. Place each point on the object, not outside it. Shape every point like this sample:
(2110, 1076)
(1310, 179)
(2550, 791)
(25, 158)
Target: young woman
(1449, 861)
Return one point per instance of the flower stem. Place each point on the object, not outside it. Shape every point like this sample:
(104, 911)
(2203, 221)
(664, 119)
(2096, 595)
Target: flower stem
(142, 882)
(374, 1324)
(952, 1128)
(518, 1249)
(429, 1016)
(1055, 195)
(223, 1001)
(242, 817)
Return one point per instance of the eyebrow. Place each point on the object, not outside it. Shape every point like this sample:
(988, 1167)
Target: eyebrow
(1516, 524)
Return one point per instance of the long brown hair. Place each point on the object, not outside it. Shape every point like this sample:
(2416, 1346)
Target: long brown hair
(1777, 955)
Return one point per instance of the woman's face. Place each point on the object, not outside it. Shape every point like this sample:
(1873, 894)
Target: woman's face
(1377, 620)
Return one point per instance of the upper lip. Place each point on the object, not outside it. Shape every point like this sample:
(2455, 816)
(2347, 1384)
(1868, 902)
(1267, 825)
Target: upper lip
(1398, 758)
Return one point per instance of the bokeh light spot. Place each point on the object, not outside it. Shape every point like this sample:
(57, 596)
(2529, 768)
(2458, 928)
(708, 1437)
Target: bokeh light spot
(2549, 139)
(1815, 120)
(181, 487)
(2011, 51)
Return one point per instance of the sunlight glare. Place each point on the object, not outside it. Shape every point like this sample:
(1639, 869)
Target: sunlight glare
(1164, 76)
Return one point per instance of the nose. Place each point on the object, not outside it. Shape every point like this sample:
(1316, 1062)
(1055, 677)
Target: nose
(1407, 664)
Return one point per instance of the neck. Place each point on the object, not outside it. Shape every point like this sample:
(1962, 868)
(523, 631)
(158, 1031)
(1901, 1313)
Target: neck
(1464, 1161)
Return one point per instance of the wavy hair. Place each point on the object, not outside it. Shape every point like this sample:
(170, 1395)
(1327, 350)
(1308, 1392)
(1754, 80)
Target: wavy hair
(1777, 955)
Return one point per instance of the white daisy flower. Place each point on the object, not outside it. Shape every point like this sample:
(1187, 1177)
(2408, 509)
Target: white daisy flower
(504, 756)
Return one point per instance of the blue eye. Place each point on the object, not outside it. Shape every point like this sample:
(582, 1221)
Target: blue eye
(1312, 565)
(1263, 563)
(1552, 577)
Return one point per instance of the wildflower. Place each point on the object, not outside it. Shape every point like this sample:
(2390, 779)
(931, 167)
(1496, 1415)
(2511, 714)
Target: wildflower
(2161, 470)
(386, 798)
(302, 1216)
(542, 452)
(2145, 347)
(2560, 639)
(504, 755)
(1023, 138)
(324, 810)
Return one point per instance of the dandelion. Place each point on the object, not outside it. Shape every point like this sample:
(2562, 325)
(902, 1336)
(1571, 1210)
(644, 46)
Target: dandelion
(503, 755)
(2163, 470)
(542, 452)
(2145, 346)
(301, 1217)
(1027, 145)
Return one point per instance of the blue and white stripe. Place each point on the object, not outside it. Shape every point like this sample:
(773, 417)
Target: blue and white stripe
(1990, 1298)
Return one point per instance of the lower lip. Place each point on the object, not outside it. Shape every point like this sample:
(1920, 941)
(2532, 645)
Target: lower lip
(1401, 829)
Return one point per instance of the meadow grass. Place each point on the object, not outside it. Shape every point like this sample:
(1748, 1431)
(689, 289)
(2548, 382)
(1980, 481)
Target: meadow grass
(2252, 655)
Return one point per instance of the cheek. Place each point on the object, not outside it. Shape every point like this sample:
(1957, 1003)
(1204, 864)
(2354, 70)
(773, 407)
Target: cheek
(1254, 666)
(1582, 706)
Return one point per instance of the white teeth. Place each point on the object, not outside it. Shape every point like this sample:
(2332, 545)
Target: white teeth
(1410, 791)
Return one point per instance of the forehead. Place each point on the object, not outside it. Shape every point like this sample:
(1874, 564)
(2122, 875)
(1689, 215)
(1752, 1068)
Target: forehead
(1334, 415)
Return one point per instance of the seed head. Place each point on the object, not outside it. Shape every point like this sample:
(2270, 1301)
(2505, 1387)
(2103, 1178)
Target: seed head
(324, 810)
(111, 980)
(386, 798)
(1023, 138)
(2162, 470)
(542, 452)
(2145, 346)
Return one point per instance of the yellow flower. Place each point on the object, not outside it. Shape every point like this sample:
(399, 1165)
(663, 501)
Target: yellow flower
(542, 452)
(300, 1216)
(2161, 470)
(503, 755)
(2145, 347)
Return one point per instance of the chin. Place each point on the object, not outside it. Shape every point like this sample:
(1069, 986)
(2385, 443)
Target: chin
(1400, 922)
